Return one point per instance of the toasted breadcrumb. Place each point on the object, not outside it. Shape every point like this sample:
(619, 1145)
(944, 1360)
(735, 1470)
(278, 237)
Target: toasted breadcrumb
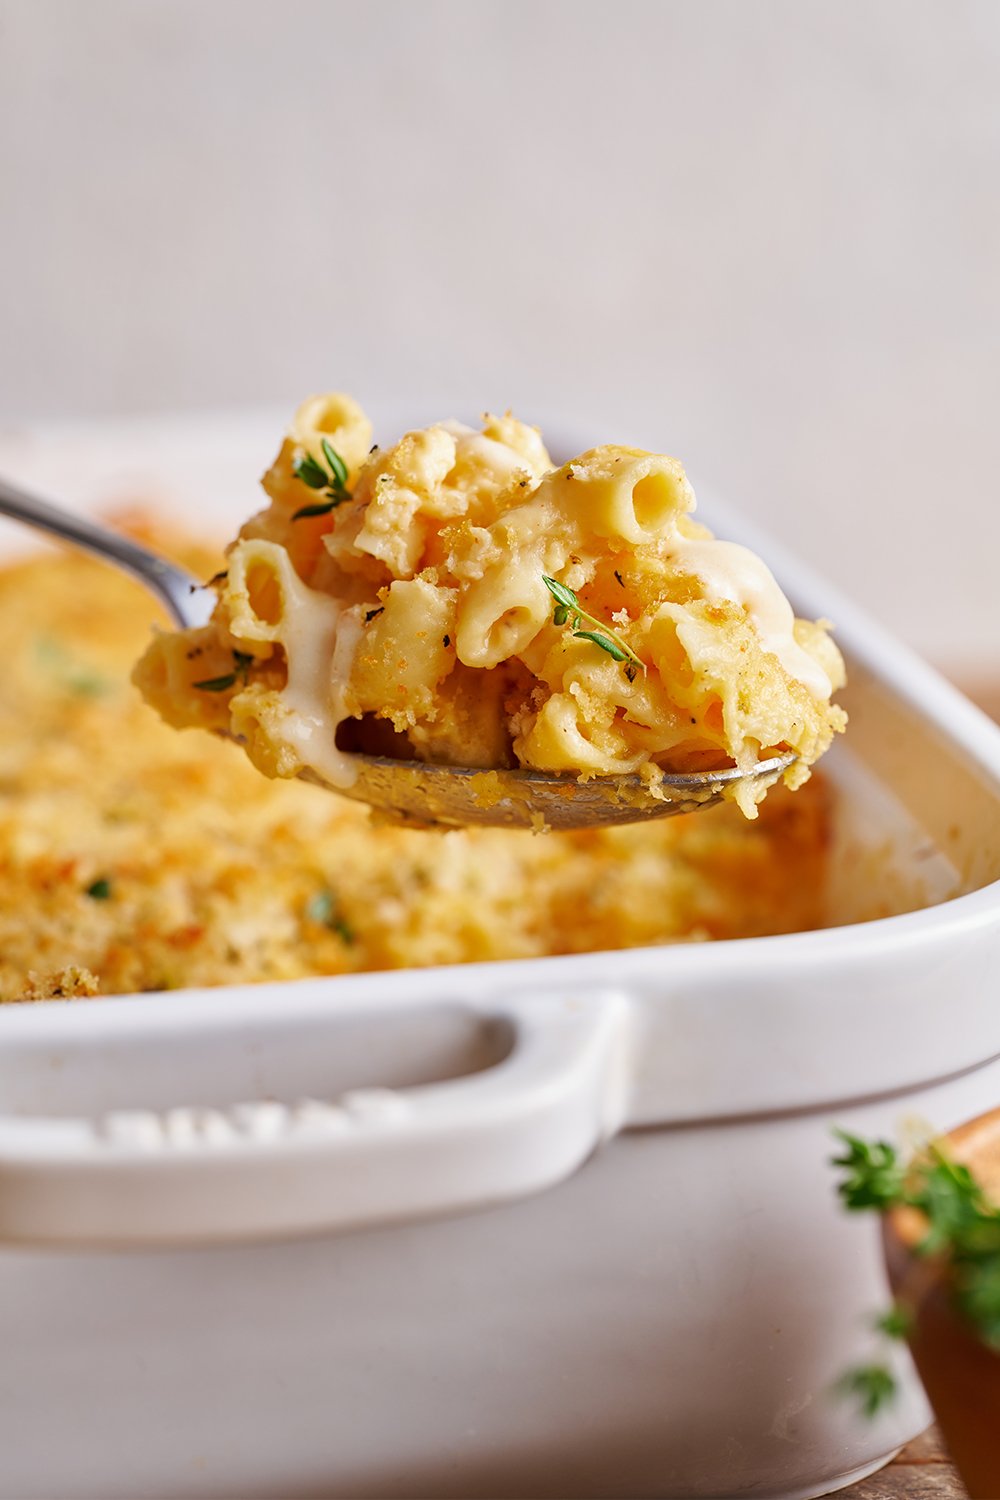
(69, 983)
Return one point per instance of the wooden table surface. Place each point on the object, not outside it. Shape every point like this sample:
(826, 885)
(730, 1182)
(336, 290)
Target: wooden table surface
(922, 1471)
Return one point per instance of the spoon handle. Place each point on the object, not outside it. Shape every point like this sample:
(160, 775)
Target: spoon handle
(183, 596)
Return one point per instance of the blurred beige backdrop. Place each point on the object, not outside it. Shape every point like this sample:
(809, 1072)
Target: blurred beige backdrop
(764, 236)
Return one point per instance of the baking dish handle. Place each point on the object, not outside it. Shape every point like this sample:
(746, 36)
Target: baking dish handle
(192, 1175)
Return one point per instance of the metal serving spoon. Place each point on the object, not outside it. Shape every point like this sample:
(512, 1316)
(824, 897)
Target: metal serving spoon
(417, 792)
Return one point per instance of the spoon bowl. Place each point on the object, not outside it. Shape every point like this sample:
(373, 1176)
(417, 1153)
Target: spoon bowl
(431, 795)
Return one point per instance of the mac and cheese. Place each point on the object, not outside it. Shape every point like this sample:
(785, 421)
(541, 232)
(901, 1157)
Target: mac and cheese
(437, 592)
(133, 858)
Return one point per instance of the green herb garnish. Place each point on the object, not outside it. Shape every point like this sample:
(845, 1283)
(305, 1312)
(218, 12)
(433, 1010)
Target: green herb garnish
(896, 1323)
(872, 1386)
(963, 1228)
(331, 480)
(323, 909)
(69, 672)
(873, 1176)
(242, 662)
(99, 890)
(569, 611)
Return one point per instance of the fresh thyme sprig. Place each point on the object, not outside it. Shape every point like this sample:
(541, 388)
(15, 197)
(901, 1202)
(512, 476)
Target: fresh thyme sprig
(332, 480)
(963, 1227)
(242, 662)
(569, 611)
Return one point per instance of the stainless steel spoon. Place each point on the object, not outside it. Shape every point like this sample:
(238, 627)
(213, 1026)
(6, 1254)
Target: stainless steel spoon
(417, 792)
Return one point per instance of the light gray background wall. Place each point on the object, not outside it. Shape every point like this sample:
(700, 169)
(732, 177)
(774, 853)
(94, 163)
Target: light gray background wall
(762, 234)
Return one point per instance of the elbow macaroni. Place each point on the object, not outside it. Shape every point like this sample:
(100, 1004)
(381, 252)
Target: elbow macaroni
(419, 599)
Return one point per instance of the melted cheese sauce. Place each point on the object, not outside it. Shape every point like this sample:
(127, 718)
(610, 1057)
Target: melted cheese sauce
(727, 571)
(320, 639)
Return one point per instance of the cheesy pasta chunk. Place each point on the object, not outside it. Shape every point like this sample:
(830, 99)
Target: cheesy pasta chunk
(458, 598)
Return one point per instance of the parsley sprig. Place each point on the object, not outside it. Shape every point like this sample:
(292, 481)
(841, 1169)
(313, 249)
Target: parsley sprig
(332, 480)
(963, 1228)
(569, 611)
(242, 662)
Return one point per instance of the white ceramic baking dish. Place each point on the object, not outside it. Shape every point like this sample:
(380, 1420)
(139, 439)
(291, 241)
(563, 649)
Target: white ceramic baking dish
(549, 1228)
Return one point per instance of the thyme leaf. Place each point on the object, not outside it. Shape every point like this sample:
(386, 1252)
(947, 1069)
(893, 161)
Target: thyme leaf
(310, 472)
(338, 468)
(569, 610)
(605, 643)
(561, 594)
(242, 662)
(896, 1322)
(872, 1386)
(323, 508)
(332, 480)
(99, 890)
(322, 908)
(873, 1177)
